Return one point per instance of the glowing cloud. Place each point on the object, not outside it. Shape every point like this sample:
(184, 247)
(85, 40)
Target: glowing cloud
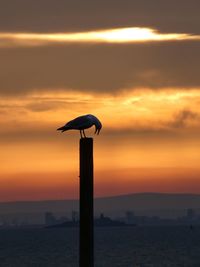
(120, 35)
(137, 110)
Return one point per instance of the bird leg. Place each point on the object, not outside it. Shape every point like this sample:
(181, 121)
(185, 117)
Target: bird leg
(81, 134)
(84, 134)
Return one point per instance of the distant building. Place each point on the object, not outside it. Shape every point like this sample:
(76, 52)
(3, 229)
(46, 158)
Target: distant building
(106, 221)
(62, 219)
(75, 216)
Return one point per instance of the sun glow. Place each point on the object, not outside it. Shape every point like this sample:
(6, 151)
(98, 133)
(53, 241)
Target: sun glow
(120, 35)
(142, 130)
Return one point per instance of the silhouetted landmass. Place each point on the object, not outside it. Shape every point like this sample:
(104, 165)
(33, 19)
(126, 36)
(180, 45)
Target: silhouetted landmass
(102, 221)
(150, 204)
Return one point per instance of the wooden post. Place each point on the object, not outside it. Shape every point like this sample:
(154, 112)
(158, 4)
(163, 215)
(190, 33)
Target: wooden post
(86, 240)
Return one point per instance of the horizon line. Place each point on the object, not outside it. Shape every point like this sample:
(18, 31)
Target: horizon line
(100, 197)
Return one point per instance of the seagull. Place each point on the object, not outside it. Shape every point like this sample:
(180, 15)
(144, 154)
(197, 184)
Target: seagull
(81, 123)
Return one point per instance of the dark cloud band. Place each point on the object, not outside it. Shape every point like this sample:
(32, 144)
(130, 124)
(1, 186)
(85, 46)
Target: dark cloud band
(78, 15)
(100, 68)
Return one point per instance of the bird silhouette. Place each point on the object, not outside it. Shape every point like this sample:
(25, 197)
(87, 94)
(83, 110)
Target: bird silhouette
(81, 123)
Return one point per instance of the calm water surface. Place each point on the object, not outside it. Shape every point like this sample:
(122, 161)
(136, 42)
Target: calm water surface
(123, 247)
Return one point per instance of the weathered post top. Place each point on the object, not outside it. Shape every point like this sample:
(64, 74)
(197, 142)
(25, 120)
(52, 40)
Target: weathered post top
(86, 143)
(86, 152)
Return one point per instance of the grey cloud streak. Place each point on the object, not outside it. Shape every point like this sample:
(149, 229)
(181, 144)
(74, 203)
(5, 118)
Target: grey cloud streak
(99, 68)
(182, 117)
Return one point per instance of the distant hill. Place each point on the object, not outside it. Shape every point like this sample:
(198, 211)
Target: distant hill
(164, 205)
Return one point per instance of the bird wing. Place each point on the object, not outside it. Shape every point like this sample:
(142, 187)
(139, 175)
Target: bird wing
(82, 122)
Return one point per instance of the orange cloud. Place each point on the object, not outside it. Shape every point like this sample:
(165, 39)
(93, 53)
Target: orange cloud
(117, 35)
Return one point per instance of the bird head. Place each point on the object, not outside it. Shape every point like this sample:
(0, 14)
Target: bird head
(96, 122)
(98, 128)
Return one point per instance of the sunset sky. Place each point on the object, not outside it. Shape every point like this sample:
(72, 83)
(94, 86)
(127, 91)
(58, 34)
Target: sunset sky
(135, 64)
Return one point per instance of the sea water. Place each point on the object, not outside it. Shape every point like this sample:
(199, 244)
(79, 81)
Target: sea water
(155, 246)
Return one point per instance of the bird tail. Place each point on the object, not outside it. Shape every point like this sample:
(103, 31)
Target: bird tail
(63, 129)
